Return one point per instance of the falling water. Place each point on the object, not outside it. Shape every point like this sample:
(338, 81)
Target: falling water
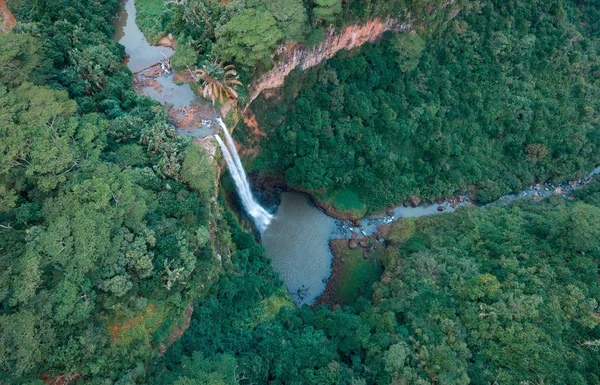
(260, 216)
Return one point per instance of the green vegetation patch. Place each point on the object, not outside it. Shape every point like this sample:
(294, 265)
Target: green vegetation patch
(402, 230)
(346, 201)
(481, 104)
(185, 57)
(274, 303)
(355, 272)
(149, 18)
(129, 327)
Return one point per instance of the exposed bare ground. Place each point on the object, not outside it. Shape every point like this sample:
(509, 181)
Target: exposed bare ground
(178, 330)
(166, 42)
(8, 19)
(62, 379)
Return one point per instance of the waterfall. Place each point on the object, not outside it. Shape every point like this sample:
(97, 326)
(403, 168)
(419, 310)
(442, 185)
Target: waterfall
(259, 215)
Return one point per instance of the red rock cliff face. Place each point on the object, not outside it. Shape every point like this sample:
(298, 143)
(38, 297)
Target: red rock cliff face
(296, 55)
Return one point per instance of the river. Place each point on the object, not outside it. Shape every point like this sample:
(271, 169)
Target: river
(141, 54)
(297, 240)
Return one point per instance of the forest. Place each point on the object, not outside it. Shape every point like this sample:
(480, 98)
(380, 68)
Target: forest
(248, 32)
(496, 100)
(123, 261)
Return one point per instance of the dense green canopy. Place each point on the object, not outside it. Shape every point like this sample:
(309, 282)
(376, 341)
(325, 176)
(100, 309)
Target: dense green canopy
(497, 100)
(103, 243)
(120, 265)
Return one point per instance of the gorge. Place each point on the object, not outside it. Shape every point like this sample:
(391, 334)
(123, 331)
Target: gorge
(296, 236)
(418, 209)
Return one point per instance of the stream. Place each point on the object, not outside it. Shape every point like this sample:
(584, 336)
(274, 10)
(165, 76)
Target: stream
(297, 238)
(141, 54)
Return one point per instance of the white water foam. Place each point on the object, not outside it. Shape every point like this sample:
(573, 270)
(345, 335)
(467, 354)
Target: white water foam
(259, 215)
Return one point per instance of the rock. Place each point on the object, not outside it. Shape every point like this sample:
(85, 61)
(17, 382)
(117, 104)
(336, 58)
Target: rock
(538, 187)
(390, 211)
(415, 201)
(357, 222)
(352, 244)
(364, 243)
(454, 201)
(440, 200)
(441, 208)
(153, 72)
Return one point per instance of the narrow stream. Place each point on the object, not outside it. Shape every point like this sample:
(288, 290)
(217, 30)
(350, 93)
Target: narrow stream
(297, 239)
(141, 53)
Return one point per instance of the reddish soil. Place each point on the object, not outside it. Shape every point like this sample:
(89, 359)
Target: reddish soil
(338, 247)
(189, 118)
(153, 72)
(8, 19)
(178, 330)
(63, 379)
(183, 118)
(183, 77)
(329, 296)
(251, 122)
(116, 330)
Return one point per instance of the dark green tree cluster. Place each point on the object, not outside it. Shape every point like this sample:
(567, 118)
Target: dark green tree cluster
(495, 101)
(104, 210)
(248, 32)
(79, 54)
(506, 294)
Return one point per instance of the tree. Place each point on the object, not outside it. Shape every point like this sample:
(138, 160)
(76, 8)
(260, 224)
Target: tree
(21, 59)
(218, 81)
(327, 10)
(410, 47)
(249, 38)
(290, 16)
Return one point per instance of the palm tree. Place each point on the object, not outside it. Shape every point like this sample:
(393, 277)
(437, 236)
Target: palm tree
(218, 81)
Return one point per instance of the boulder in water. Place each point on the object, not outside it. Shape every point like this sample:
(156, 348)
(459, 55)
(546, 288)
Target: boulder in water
(415, 201)
(441, 208)
(352, 244)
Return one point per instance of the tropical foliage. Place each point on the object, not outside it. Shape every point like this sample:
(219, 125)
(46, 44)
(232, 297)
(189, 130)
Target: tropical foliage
(477, 296)
(247, 32)
(495, 101)
(103, 243)
(119, 264)
(218, 81)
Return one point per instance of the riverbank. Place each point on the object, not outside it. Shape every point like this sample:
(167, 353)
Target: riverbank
(354, 270)
(347, 275)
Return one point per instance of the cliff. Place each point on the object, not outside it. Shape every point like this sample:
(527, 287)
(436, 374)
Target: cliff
(299, 56)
